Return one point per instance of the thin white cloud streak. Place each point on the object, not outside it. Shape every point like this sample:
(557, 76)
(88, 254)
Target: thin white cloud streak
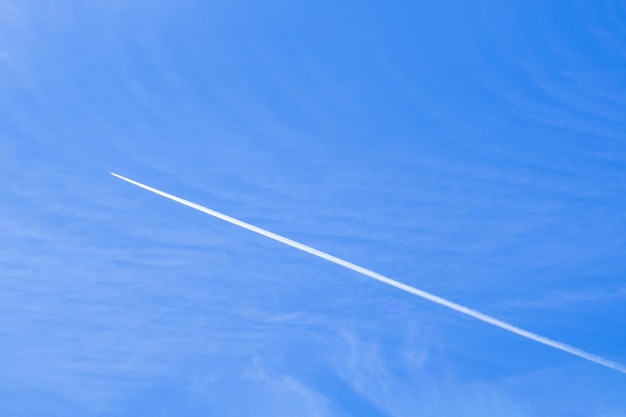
(374, 275)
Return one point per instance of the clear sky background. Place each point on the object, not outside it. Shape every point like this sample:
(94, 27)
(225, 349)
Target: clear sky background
(471, 149)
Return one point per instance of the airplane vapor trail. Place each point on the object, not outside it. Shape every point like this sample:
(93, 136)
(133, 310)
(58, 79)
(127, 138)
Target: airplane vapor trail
(374, 275)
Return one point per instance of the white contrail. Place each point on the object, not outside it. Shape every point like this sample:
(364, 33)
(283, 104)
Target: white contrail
(420, 293)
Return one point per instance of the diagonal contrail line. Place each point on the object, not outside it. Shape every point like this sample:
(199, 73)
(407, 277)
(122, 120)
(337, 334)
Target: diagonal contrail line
(374, 275)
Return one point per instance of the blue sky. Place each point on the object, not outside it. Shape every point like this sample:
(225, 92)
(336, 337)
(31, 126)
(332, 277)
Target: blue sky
(470, 149)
